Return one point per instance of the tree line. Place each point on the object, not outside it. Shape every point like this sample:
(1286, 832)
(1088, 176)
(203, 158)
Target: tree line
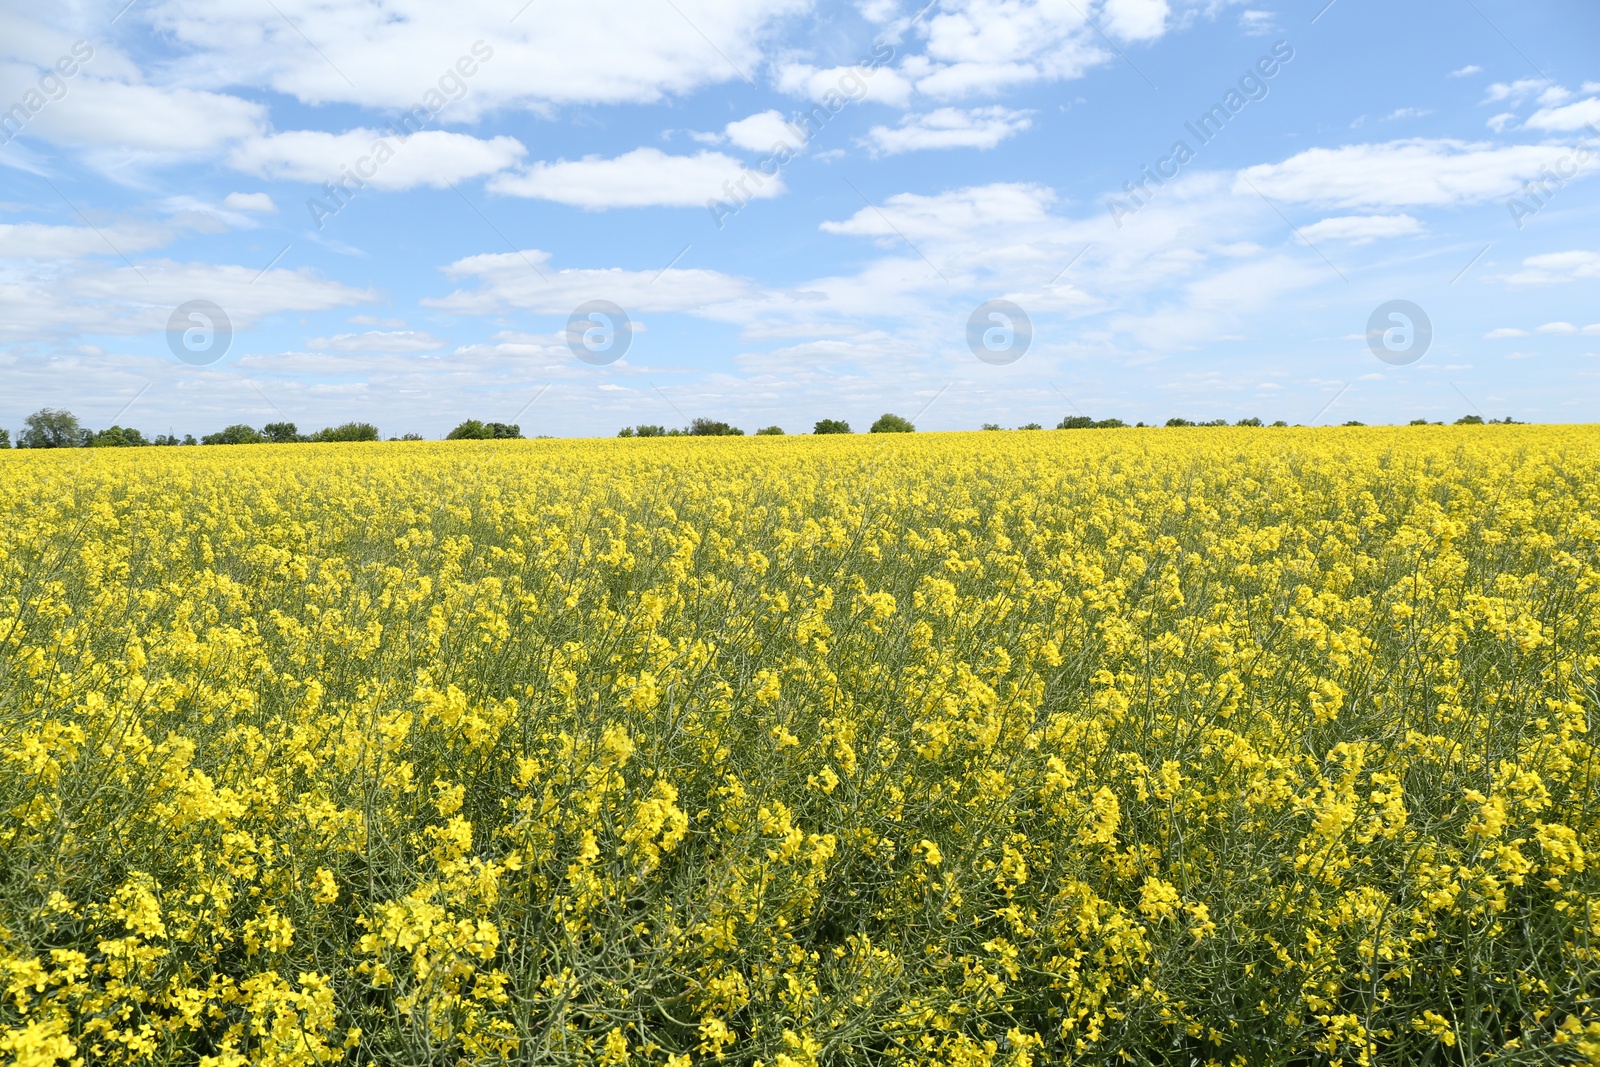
(55, 428)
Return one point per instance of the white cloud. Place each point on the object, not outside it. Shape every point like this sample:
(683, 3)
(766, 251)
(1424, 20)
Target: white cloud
(986, 46)
(1362, 229)
(504, 280)
(378, 158)
(114, 299)
(1464, 71)
(1576, 116)
(378, 341)
(1136, 20)
(763, 131)
(1410, 173)
(1521, 355)
(949, 127)
(833, 85)
(1516, 91)
(36, 241)
(116, 116)
(1557, 328)
(1258, 23)
(388, 57)
(1503, 332)
(1554, 268)
(645, 177)
(256, 202)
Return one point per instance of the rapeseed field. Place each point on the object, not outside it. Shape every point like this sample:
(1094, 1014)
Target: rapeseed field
(1081, 747)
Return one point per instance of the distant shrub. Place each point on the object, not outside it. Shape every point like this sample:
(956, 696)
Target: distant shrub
(712, 428)
(115, 437)
(350, 431)
(770, 431)
(831, 426)
(1084, 422)
(1470, 420)
(890, 423)
(993, 426)
(237, 434)
(1248, 422)
(281, 433)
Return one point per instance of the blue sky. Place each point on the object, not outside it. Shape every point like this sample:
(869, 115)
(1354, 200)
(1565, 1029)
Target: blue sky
(968, 151)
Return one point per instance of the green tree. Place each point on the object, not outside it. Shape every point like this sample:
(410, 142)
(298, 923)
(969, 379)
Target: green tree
(770, 431)
(237, 434)
(117, 437)
(281, 433)
(889, 423)
(1030, 426)
(470, 430)
(504, 431)
(350, 431)
(831, 426)
(5, 438)
(993, 426)
(1076, 422)
(50, 428)
(1470, 420)
(1248, 422)
(712, 428)
(1179, 422)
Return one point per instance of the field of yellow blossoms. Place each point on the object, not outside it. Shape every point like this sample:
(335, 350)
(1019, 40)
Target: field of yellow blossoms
(1235, 746)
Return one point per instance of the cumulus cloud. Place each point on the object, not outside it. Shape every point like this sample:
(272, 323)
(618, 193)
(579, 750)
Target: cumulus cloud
(260, 203)
(949, 127)
(388, 57)
(377, 157)
(763, 131)
(645, 177)
(1555, 268)
(1576, 116)
(378, 341)
(1362, 229)
(1412, 173)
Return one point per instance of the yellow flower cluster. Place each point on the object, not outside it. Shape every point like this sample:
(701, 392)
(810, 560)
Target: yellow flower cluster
(1185, 747)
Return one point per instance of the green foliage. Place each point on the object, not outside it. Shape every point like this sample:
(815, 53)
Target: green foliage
(280, 433)
(712, 428)
(5, 438)
(354, 431)
(831, 426)
(890, 423)
(1248, 422)
(1470, 420)
(993, 426)
(115, 437)
(237, 434)
(644, 430)
(770, 431)
(470, 430)
(1084, 422)
(50, 428)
